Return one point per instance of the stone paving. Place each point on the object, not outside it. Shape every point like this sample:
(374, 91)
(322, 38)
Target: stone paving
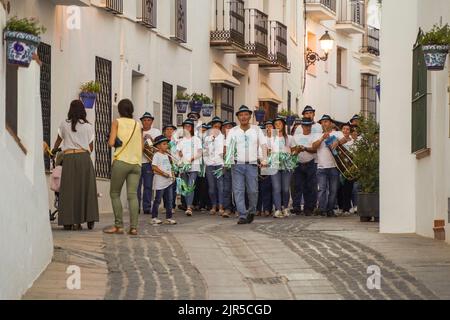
(207, 257)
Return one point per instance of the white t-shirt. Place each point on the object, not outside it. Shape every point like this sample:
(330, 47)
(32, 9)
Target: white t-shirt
(247, 143)
(153, 133)
(213, 148)
(349, 145)
(305, 141)
(76, 140)
(163, 163)
(324, 156)
(315, 129)
(190, 147)
(278, 144)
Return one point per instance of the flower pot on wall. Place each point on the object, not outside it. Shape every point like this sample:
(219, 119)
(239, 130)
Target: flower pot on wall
(20, 47)
(207, 110)
(368, 206)
(88, 99)
(196, 106)
(259, 115)
(182, 105)
(435, 56)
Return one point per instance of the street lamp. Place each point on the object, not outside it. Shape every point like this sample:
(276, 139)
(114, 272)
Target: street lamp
(326, 43)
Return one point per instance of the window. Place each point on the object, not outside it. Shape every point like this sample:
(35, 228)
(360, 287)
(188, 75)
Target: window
(11, 98)
(419, 101)
(227, 103)
(369, 95)
(45, 54)
(180, 21)
(167, 101)
(147, 12)
(312, 45)
(103, 118)
(293, 19)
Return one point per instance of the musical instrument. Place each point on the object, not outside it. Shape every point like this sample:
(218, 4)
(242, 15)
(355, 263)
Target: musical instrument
(149, 151)
(343, 159)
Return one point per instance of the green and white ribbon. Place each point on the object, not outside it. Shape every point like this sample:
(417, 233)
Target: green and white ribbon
(183, 188)
(283, 161)
(231, 154)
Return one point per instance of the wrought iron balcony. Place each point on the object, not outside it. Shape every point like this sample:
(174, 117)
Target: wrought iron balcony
(114, 6)
(146, 13)
(321, 9)
(256, 37)
(352, 16)
(278, 59)
(371, 41)
(229, 33)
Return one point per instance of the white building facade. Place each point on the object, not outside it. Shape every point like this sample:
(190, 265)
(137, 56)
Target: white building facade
(415, 138)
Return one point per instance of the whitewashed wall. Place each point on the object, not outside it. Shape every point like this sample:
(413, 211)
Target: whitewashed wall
(25, 237)
(414, 192)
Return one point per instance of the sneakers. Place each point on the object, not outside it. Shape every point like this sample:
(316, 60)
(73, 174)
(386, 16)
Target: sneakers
(242, 221)
(346, 214)
(286, 213)
(278, 214)
(250, 218)
(170, 222)
(156, 221)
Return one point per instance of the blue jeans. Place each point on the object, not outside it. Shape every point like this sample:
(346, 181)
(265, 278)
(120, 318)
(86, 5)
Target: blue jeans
(328, 188)
(305, 185)
(190, 179)
(146, 181)
(281, 183)
(167, 195)
(245, 181)
(215, 186)
(265, 194)
(227, 190)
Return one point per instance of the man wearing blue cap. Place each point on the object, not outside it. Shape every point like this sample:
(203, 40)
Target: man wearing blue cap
(247, 142)
(327, 172)
(146, 180)
(305, 182)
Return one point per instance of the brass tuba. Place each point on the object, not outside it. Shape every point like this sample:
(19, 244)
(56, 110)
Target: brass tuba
(149, 150)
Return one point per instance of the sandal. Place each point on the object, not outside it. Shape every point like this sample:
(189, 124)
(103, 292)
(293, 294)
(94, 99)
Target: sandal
(133, 232)
(113, 230)
(189, 212)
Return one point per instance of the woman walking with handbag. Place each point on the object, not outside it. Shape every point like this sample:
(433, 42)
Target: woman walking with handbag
(78, 201)
(126, 138)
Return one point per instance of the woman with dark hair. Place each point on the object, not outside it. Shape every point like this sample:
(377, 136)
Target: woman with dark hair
(78, 201)
(126, 138)
(279, 144)
(190, 151)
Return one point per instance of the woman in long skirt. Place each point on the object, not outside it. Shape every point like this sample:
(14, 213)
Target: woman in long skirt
(78, 201)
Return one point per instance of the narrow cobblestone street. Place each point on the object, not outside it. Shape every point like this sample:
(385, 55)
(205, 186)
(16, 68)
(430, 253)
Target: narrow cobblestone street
(207, 257)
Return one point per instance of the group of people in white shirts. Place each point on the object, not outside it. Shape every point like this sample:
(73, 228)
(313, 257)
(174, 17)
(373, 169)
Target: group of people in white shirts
(240, 165)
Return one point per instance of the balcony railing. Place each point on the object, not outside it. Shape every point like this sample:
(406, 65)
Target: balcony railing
(278, 48)
(329, 4)
(147, 13)
(229, 32)
(257, 33)
(114, 6)
(371, 41)
(352, 12)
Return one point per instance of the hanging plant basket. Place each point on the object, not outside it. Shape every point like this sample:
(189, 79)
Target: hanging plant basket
(20, 47)
(259, 115)
(207, 110)
(196, 106)
(182, 105)
(88, 99)
(435, 56)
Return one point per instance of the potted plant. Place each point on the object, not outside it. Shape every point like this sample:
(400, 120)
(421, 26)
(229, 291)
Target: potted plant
(182, 102)
(260, 113)
(88, 93)
(366, 157)
(196, 102)
(289, 115)
(208, 106)
(22, 39)
(435, 45)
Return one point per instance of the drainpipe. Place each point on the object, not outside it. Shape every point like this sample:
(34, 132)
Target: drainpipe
(122, 61)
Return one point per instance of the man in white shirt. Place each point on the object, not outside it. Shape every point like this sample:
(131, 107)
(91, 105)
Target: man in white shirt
(305, 182)
(327, 172)
(245, 141)
(146, 180)
(310, 113)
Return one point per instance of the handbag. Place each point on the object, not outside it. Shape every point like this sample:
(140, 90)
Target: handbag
(125, 146)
